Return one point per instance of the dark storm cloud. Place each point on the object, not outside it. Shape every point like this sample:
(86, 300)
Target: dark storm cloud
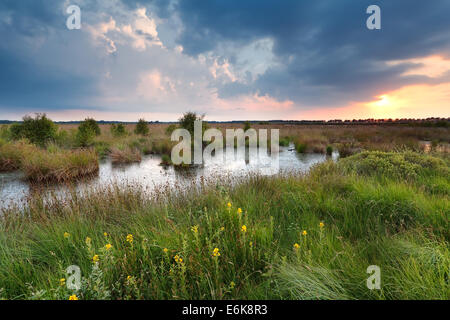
(30, 17)
(31, 78)
(321, 44)
(24, 83)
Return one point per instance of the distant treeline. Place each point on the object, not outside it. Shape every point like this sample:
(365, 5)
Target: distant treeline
(428, 122)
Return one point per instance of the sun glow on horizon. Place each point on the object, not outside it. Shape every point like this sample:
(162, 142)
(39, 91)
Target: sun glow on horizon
(383, 102)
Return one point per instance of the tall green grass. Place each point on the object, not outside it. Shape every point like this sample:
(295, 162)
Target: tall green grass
(12, 154)
(286, 237)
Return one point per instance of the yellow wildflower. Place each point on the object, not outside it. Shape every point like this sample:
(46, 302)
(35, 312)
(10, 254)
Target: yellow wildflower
(229, 204)
(232, 284)
(130, 238)
(296, 246)
(108, 246)
(165, 250)
(216, 252)
(194, 229)
(105, 234)
(321, 224)
(95, 258)
(244, 228)
(129, 278)
(222, 228)
(178, 259)
(73, 297)
(66, 235)
(88, 240)
(62, 281)
(250, 244)
(304, 233)
(239, 210)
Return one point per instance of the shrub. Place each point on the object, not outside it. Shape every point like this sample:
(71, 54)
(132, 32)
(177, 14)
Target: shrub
(86, 133)
(38, 130)
(404, 165)
(141, 127)
(329, 150)
(118, 130)
(285, 141)
(247, 125)
(188, 119)
(90, 124)
(85, 137)
(301, 148)
(165, 160)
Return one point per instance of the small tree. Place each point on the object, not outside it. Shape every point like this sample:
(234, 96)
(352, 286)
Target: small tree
(247, 125)
(38, 130)
(85, 137)
(118, 130)
(141, 127)
(90, 124)
(86, 132)
(188, 119)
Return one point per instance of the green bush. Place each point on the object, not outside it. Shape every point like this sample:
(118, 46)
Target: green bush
(301, 148)
(141, 128)
(329, 150)
(285, 141)
(90, 124)
(188, 119)
(85, 137)
(38, 130)
(247, 125)
(165, 160)
(86, 132)
(16, 131)
(118, 130)
(403, 165)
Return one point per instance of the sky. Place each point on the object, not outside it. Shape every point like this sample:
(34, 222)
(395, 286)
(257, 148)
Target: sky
(227, 59)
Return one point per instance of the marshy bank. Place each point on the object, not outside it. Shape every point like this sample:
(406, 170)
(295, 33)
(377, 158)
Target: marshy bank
(54, 150)
(297, 236)
(148, 172)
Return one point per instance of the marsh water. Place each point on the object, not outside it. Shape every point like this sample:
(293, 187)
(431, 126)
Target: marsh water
(149, 174)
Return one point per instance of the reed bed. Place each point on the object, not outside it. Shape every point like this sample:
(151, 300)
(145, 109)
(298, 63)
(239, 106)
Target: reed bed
(12, 154)
(125, 155)
(59, 166)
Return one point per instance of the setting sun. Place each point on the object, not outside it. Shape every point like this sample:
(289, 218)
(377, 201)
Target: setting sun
(384, 101)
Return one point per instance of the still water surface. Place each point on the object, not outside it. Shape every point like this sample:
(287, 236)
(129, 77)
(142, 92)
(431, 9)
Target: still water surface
(151, 175)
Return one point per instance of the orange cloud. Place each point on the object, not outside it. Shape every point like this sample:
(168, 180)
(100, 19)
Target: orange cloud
(431, 66)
